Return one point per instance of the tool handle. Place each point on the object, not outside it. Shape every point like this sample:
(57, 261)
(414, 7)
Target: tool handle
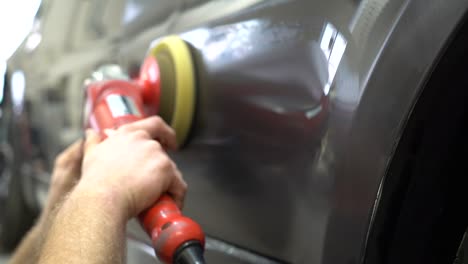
(114, 103)
(168, 228)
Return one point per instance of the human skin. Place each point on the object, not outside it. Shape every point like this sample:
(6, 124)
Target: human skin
(120, 177)
(66, 173)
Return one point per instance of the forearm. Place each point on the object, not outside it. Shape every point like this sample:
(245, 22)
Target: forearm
(28, 249)
(31, 245)
(89, 228)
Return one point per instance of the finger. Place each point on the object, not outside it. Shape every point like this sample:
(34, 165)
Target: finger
(74, 154)
(92, 139)
(110, 132)
(70, 156)
(178, 189)
(156, 128)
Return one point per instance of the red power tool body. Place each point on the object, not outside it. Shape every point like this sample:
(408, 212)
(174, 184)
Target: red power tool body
(111, 103)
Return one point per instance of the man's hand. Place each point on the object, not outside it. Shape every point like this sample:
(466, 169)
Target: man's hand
(121, 176)
(132, 167)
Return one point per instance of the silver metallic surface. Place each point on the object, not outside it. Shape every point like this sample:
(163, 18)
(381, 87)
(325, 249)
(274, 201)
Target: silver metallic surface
(108, 72)
(216, 251)
(244, 256)
(300, 106)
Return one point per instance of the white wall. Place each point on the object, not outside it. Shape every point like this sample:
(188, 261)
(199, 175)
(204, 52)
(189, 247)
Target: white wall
(16, 18)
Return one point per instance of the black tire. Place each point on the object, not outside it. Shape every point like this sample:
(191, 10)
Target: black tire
(422, 214)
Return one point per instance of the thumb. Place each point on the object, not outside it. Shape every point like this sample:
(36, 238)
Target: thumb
(92, 139)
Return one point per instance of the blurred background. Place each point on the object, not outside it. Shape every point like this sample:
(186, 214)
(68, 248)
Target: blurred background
(16, 20)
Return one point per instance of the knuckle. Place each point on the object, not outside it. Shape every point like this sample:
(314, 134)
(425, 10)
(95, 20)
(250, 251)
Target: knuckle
(155, 145)
(140, 134)
(127, 128)
(152, 147)
(165, 162)
(157, 120)
(124, 128)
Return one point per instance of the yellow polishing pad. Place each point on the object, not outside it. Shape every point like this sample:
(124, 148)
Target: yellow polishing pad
(177, 102)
